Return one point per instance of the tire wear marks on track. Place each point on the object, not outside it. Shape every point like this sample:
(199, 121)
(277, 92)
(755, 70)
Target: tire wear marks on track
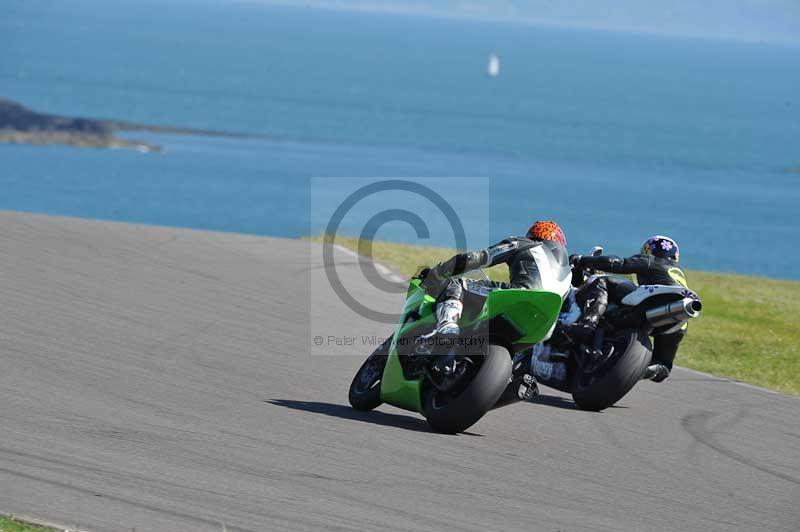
(696, 424)
(150, 486)
(145, 506)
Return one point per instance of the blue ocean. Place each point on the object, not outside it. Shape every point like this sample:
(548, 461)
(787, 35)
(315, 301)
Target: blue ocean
(618, 136)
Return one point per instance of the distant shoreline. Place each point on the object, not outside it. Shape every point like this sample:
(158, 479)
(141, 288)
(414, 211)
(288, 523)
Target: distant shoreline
(20, 125)
(74, 139)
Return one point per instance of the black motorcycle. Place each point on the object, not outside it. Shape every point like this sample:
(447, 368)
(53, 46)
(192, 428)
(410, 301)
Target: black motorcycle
(600, 374)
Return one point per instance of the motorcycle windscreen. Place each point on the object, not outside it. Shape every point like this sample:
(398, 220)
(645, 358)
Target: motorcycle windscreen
(531, 312)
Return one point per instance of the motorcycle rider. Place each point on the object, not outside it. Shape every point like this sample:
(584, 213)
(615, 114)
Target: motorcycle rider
(539, 260)
(656, 264)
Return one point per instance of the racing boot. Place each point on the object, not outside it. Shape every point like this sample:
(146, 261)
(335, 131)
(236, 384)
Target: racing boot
(584, 333)
(656, 373)
(593, 301)
(521, 388)
(448, 312)
(444, 335)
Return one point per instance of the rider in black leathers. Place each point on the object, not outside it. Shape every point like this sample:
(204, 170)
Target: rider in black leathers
(656, 264)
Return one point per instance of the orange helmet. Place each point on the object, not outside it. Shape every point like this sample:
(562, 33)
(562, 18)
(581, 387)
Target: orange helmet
(547, 230)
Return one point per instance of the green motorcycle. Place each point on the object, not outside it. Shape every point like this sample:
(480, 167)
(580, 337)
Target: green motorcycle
(403, 371)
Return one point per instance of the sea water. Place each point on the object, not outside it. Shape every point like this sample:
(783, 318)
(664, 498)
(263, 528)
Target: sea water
(617, 136)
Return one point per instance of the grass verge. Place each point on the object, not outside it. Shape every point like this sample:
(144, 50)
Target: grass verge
(8, 524)
(749, 330)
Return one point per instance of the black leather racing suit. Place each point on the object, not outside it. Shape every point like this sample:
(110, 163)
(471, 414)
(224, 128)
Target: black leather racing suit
(649, 270)
(532, 264)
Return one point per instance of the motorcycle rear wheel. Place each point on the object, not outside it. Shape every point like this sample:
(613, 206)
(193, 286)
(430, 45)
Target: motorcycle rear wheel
(451, 415)
(598, 391)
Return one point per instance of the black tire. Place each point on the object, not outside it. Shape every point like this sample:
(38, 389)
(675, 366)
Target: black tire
(598, 392)
(480, 395)
(365, 390)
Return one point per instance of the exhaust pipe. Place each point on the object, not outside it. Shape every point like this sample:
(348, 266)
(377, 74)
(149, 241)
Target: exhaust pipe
(674, 313)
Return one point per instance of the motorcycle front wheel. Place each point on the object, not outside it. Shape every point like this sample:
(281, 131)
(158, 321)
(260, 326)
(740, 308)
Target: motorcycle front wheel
(365, 390)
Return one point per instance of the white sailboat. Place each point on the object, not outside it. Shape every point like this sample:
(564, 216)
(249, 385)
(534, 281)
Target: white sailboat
(493, 68)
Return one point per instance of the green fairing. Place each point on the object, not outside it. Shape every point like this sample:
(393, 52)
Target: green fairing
(395, 389)
(532, 312)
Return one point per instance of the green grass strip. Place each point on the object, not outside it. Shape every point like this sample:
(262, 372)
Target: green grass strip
(8, 524)
(749, 330)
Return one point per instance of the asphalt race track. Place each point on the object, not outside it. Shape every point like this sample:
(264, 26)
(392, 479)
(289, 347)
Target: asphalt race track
(164, 379)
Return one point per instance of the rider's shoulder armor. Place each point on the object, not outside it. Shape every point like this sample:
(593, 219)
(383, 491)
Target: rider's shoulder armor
(664, 272)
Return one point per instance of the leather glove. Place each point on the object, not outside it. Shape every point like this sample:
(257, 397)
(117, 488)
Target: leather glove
(423, 273)
(578, 275)
(430, 282)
